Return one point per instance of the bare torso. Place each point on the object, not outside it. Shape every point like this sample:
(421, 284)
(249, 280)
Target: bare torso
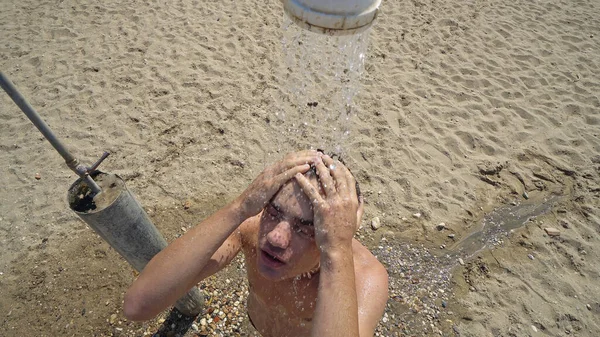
(284, 308)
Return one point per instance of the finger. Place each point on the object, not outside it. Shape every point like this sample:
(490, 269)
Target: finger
(351, 183)
(345, 181)
(341, 179)
(360, 211)
(336, 168)
(309, 152)
(302, 154)
(304, 157)
(325, 178)
(327, 160)
(284, 177)
(308, 189)
(361, 207)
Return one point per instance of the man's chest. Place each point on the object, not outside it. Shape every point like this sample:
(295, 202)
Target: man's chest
(297, 299)
(277, 319)
(280, 308)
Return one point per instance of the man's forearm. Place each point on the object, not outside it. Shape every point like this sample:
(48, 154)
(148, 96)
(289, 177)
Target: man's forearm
(336, 313)
(173, 271)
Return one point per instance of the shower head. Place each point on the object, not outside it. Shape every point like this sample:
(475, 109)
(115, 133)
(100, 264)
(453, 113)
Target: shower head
(334, 17)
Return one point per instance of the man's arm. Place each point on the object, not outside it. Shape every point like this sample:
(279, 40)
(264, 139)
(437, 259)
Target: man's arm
(173, 271)
(177, 268)
(335, 217)
(370, 293)
(337, 307)
(337, 297)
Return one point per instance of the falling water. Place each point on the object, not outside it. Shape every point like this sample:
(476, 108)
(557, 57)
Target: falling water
(321, 78)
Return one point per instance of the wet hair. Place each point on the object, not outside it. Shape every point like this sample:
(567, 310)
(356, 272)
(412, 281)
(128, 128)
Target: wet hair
(313, 170)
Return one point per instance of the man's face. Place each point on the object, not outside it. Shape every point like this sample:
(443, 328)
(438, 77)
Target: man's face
(286, 243)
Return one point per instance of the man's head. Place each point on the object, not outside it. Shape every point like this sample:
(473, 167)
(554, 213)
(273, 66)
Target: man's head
(286, 243)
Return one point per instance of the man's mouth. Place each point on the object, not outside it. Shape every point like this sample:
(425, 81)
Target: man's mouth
(270, 260)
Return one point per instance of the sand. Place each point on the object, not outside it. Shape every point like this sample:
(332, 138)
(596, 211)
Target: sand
(465, 107)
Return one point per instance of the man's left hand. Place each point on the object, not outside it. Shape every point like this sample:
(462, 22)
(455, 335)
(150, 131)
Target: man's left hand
(335, 212)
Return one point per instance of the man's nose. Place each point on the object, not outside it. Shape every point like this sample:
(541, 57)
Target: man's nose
(280, 235)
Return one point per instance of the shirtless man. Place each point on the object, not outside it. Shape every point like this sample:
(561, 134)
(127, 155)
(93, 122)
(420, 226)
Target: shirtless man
(307, 275)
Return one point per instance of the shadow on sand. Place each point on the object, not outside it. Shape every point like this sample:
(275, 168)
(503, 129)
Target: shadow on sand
(175, 325)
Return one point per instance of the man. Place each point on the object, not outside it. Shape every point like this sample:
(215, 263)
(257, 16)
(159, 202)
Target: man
(307, 275)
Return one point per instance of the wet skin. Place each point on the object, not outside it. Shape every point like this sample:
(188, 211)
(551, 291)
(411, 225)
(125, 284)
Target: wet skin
(285, 307)
(283, 234)
(280, 253)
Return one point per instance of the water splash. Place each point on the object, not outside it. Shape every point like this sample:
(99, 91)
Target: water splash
(322, 75)
(420, 288)
(498, 224)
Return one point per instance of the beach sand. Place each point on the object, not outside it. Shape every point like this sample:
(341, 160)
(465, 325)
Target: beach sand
(466, 107)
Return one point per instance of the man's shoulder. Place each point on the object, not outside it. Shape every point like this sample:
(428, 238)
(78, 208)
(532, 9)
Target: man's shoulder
(371, 285)
(365, 263)
(371, 288)
(249, 228)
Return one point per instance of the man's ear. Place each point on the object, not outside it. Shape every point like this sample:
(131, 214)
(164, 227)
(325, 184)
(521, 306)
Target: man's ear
(360, 211)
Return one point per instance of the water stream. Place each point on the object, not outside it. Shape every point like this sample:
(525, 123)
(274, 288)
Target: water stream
(322, 76)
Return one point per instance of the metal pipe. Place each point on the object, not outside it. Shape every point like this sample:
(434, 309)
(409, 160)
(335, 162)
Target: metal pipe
(96, 164)
(34, 117)
(122, 222)
(39, 123)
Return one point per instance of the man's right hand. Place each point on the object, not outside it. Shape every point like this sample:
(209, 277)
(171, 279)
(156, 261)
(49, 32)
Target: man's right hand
(264, 187)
